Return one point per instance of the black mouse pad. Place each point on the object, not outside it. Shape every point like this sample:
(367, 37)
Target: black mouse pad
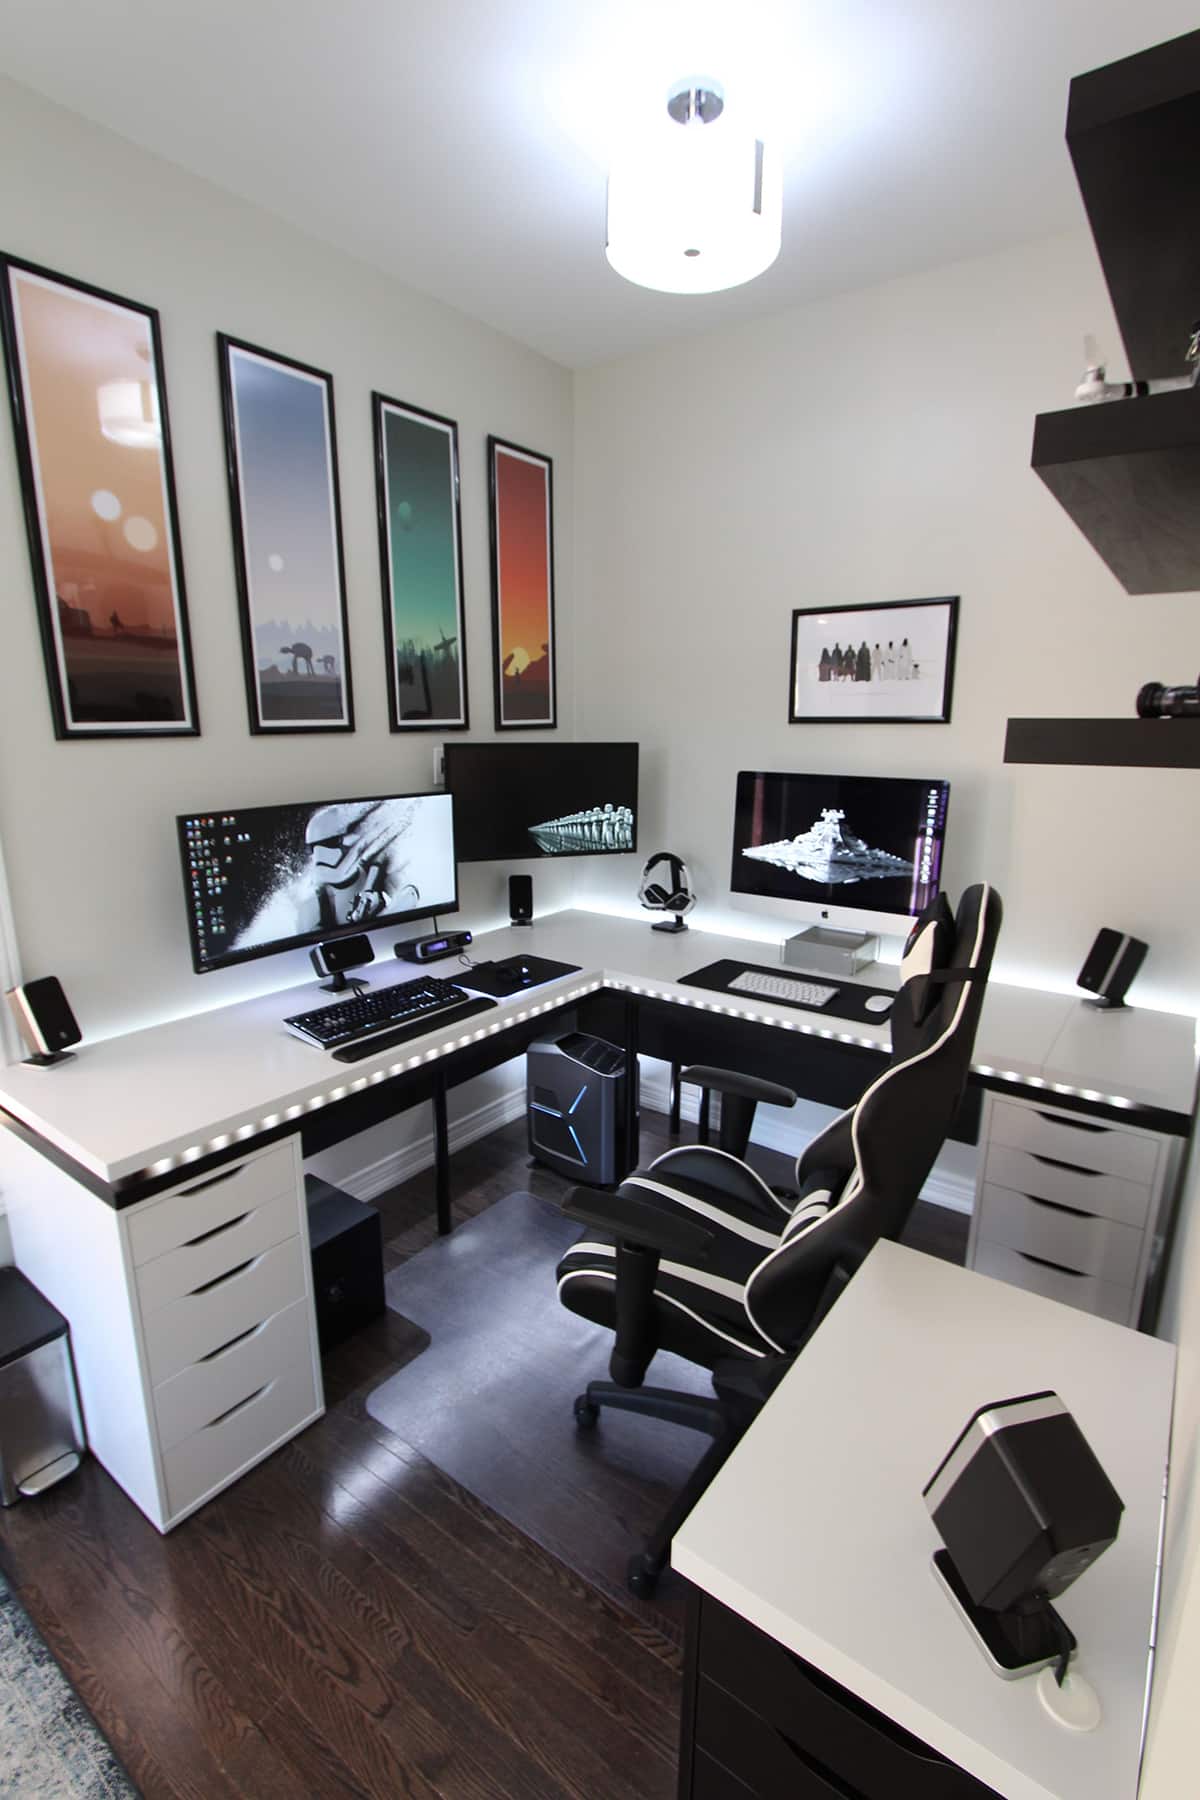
(848, 1000)
(506, 977)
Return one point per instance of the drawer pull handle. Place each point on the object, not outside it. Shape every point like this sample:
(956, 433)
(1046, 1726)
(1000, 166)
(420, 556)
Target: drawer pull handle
(1072, 1124)
(206, 1287)
(831, 1782)
(239, 1405)
(879, 1722)
(1056, 1162)
(190, 1243)
(1076, 1212)
(1059, 1268)
(198, 1187)
(251, 1331)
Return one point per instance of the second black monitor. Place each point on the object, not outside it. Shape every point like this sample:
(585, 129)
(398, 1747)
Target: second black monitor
(513, 801)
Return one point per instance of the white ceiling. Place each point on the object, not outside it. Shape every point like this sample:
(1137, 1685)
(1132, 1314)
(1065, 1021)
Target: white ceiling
(461, 144)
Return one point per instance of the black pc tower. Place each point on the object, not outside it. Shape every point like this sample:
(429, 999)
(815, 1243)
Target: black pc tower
(575, 1094)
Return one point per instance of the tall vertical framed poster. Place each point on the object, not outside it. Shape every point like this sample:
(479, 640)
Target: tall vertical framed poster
(420, 555)
(94, 450)
(281, 456)
(521, 495)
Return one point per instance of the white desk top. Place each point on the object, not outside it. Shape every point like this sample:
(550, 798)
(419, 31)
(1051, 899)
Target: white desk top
(162, 1097)
(816, 1530)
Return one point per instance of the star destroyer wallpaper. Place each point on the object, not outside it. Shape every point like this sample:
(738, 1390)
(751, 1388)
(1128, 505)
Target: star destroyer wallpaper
(822, 837)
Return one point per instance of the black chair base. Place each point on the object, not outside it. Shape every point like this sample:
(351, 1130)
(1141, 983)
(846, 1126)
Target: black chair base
(717, 1419)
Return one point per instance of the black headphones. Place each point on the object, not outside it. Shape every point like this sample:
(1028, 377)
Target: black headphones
(677, 895)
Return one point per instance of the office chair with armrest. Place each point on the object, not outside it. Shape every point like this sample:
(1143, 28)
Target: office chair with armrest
(697, 1255)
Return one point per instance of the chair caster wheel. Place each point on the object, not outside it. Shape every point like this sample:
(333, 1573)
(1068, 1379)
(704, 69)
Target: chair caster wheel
(586, 1413)
(642, 1576)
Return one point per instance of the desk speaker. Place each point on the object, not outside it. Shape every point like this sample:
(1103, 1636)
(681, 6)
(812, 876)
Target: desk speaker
(520, 899)
(44, 1019)
(1112, 962)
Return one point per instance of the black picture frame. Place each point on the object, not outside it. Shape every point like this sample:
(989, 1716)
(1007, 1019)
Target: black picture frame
(91, 694)
(287, 694)
(509, 531)
(424, 715)
(901, 674)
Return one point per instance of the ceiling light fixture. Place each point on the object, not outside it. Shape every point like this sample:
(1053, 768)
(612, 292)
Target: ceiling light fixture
(129, 414)
(696, 203)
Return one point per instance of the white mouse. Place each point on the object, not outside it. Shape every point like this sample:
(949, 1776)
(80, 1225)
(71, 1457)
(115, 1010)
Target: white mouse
(878, 1002)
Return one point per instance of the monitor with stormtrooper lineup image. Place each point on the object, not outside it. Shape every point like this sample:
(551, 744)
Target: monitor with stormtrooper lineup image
(517, 801)
(259, 880)
(840, 845)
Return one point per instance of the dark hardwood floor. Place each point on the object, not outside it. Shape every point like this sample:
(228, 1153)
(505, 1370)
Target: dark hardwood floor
(347, 1620)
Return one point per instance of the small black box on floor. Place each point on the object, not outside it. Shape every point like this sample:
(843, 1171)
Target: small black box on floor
(575, 1100)
(346, 1239)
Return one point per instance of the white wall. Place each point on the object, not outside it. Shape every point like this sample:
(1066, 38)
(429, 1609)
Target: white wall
(876, 447)
(87, 827)
(1169, 1769)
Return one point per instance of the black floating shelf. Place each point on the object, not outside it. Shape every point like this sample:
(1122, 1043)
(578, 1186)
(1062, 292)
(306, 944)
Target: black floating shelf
(1107, 743)
(1128, 473)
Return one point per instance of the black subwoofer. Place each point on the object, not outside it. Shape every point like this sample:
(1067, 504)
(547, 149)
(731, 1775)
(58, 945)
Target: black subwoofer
(346, 1239)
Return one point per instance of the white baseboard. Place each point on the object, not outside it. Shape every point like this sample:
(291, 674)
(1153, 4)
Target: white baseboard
(411, 1158)
(946, 1186)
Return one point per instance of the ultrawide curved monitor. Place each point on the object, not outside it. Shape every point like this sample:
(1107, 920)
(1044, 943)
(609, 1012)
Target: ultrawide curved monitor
(263, 879)
(868, 843)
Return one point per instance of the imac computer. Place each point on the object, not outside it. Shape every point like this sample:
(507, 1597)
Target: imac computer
(263, 879)
(852, 853)
(513, 801)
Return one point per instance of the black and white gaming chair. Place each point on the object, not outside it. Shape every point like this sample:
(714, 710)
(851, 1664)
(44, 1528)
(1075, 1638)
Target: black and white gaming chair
(696, 1254)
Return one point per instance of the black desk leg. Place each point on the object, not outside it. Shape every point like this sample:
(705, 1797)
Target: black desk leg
(441, 1158)
(676, 1097)
(632, 1138)
(704, 1121)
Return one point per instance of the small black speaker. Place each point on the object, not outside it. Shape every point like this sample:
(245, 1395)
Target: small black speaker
(1112, 962)
(520, 899)
(338, 955)
(44, 1019)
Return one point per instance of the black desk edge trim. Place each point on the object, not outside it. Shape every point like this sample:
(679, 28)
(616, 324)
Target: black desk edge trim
(135, 1187)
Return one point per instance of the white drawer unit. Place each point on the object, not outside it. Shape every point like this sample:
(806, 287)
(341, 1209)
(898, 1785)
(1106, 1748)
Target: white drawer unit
(1093, 1245)
(1070, 1138)
(188, 1329)
(197, 1209)
(257, 1423)
(1069, 1206)
(191, 1314)
(1104, 1298)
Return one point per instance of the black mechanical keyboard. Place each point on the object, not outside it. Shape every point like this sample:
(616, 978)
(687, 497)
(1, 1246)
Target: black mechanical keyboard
(380, 1017)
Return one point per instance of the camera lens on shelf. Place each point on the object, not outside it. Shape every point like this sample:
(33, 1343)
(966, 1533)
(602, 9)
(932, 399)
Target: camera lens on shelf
(1155, 701)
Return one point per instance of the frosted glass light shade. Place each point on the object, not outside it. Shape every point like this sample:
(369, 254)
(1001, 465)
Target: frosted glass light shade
(694, 208)
(129, 413)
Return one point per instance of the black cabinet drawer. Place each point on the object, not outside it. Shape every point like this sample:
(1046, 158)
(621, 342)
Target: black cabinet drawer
(712, 1782)
(854, 1749)
(770, 1764)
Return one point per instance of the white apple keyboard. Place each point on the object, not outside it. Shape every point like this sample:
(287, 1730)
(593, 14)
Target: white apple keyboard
(782, 987)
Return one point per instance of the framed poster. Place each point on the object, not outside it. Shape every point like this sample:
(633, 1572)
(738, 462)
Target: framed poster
(891, 662)
(420, 555)
(521, 497)
(281, 455)
(94, 450)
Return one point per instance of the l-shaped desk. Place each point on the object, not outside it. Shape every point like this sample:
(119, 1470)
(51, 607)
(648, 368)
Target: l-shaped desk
(155, 1190)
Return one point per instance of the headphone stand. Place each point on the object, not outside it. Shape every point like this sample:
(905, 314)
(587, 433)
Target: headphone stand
(675, 925)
